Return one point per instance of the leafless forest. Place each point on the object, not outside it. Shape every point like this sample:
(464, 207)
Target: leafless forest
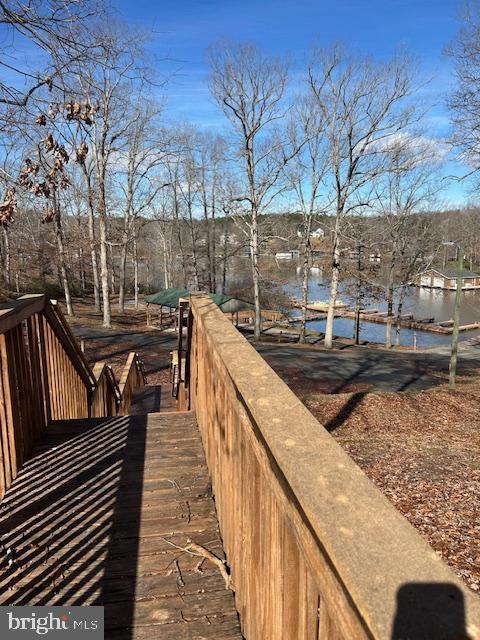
(103, 195)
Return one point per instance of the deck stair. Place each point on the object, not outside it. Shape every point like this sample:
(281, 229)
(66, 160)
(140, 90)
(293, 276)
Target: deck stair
(94, 516)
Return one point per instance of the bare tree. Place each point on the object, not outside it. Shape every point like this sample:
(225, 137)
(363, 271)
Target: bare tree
(249, 87)
(464, 102)
(363, 104)
(58, 31)
(110, 87)
(140, 182)
(305, 173)
(408, 187)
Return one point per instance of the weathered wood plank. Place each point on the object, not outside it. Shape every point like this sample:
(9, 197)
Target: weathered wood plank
(102, 515)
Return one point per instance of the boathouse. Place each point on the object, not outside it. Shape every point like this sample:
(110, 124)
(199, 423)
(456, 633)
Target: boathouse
(447, 279)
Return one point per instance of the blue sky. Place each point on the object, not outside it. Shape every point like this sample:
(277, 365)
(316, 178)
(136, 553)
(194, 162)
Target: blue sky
(184, 29)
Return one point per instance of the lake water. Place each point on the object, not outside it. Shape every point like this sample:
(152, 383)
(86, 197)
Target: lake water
(421, 302)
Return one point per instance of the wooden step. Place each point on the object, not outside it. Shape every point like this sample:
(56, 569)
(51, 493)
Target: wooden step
(152, 399)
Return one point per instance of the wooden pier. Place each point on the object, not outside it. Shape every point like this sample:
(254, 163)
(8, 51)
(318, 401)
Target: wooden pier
(408, 321)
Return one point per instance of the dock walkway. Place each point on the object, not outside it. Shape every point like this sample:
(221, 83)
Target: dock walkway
(99, 516)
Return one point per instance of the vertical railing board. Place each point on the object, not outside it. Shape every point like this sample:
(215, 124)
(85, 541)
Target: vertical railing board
(42, 346)
(25, 391)
(9, 396)
(52, 392)
(13, 377)
(8, 431)
(5, 471)
(36, 380)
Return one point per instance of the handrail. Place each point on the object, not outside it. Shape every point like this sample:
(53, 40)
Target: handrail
(141, 369)
(14, 312)
(114, 384)
(315, 549)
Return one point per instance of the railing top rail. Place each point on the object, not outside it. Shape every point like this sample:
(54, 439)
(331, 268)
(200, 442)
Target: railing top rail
(14, 312)
(103, 369)
(372, 548)
(131, 363)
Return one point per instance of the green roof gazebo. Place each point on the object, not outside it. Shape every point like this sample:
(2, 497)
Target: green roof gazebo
(170, 298)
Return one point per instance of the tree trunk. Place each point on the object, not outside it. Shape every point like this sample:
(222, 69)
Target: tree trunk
(196, 279)
(179, 237)
(6, 258)
(147, 284)
(256, 278)
(93, 249)
(62, 266)
(399, 315)
(390, 293)
(111, 268)
(208, 239)
(135, 271)
(81, 265)
(122, 275)
(102, 223)
(224, 256)
(213, 249)
(452, 369)
(333, 285)
(166, 264)
(307, 228)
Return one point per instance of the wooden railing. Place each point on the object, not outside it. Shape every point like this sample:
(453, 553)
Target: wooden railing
(133, 376)
(315, 550)
(44, 376)
(106, 397)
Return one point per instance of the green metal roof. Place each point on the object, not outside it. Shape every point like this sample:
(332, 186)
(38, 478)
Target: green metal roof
(170, 297)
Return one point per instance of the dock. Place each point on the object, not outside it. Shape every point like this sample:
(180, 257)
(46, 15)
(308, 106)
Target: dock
(408, 321)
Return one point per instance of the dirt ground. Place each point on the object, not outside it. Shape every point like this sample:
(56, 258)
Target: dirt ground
(128, 333)
(420, 448)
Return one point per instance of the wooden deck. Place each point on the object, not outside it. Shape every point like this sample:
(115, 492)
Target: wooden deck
(93, 518)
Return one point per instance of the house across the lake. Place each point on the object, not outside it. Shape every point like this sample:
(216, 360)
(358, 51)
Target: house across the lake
(287, 255)
(447, 279)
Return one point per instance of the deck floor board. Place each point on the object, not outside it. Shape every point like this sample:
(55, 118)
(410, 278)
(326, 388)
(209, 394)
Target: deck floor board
(93, 518)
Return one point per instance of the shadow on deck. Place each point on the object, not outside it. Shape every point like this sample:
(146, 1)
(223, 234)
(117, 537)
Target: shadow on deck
(93, 518)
